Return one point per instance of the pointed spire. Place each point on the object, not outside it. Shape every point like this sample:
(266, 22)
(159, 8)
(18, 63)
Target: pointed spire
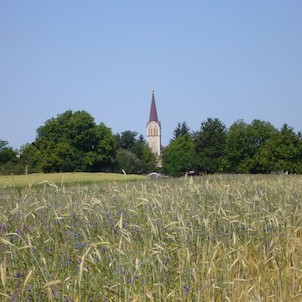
(153, 112)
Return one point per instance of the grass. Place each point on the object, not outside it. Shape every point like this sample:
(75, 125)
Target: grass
(63, 178)
(213, 238)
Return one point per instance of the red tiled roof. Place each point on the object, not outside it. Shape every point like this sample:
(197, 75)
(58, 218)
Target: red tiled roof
(153, 113)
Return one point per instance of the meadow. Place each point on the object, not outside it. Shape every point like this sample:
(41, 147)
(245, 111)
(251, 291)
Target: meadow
(61, 179)
(209, 238)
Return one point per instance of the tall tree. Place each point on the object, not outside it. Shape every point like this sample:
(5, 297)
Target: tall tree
(261, 133)
(126, 140)
(127, 161)
(7, 154)
(237, 148)
(282, 152)
(243, 142)
(103, 150)
(8, 159)
(181, 129)
(178, 155)
(134, 155)
(72, 142)
(209, 146)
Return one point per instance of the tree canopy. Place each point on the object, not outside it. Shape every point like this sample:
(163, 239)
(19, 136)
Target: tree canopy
(181, 129)
(209, 144)
(243, 144)
(178, 156)
(8, 159)
(257, 147)
(7, 154)
(134, 155)
(282, 152)
(72, 142)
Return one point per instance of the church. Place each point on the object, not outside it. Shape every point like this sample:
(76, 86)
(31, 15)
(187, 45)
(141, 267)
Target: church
(154, 130)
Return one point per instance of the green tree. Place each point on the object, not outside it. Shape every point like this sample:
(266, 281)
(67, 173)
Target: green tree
(7, 154)
(178, 155)
(148, 159)
(282, 152)
(71, 142)
(209, 146)
(181, 129)
(8, 159)
(126, 140)
(138, 158)
(128, 161)
(103, 151)
(243, 142)
(237, 153)
(261, 133)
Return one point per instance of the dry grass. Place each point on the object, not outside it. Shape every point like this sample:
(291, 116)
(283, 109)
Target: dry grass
(215, 238)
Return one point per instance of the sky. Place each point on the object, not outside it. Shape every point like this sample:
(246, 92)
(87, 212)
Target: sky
(222, 59)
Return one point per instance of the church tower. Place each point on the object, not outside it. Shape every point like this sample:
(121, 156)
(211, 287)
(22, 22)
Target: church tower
(154, 129)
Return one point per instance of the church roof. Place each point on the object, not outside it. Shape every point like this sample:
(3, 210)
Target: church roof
(153, 112)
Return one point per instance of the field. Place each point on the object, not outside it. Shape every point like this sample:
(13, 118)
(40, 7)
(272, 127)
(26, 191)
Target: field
(210, 238)
(63, 179)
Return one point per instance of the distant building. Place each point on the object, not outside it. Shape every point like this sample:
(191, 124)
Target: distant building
(154, 130)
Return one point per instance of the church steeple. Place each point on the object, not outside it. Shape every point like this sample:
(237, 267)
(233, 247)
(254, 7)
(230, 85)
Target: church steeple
(154, 129)
(153, 112)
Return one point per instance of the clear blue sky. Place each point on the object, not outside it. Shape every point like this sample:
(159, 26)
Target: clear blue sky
(226, 59)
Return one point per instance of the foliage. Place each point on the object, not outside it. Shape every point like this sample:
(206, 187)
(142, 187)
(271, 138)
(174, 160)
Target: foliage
(282, 152)
(126, 140)
(181, 129)
(214, 238)
(134, 155)
(178, 156)
(257, 147)
(243, 142)
(128, 161)
(7, 154)
(74, 142)
(209, 146)
(8, 158)
(71, 142)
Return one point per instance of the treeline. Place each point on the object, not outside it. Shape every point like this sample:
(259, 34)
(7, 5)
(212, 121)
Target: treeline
(74, 142)
(257, 147)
